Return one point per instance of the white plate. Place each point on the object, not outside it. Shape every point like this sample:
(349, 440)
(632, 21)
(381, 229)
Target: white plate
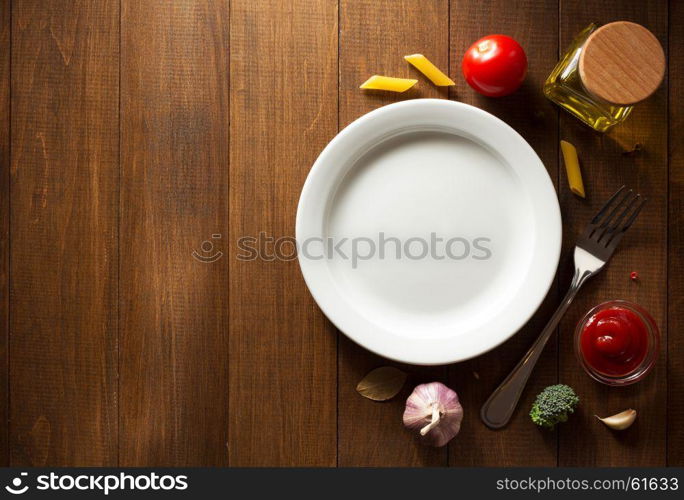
(412, 170)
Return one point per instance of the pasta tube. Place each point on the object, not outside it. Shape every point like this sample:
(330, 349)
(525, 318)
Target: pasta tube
(377, 82)
(572, 167)
(423, 64)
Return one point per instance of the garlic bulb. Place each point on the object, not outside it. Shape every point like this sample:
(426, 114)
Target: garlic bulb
(620, 421)
(434, 410)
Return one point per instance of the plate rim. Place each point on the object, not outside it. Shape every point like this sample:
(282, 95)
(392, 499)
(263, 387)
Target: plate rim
(552, 238)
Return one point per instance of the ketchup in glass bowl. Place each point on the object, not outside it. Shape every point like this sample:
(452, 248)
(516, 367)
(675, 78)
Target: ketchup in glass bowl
(617, 342)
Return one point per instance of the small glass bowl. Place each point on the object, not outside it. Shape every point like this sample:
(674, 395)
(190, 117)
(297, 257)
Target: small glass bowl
(651, 354)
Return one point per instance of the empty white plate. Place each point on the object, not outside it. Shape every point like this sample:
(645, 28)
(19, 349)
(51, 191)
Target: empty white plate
(428, 231)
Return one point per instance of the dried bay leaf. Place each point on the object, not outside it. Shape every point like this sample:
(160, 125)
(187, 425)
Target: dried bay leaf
(382, 383)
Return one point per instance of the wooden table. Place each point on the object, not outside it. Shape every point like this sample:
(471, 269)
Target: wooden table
(133, 131)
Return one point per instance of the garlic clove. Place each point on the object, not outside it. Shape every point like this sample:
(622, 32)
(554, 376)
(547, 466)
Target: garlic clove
(433, 410)
(620, 421)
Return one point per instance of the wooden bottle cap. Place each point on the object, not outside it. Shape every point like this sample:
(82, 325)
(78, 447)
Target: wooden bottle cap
(622, 63)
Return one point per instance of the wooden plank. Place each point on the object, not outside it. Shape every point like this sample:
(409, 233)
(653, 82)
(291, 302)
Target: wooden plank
(64, 191)
(675, 259)
(374, 38)
(174, 196)
(586, 442)
(282, 351)
(536, 119)
(4, 226)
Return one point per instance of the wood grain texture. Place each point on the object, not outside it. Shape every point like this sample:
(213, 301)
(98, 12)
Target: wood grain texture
(374, 38)
(224, 106)
(520, 443)
(64, 192)
(587, 443)
(283, 111)
(4, 227)
(675, 259)
(174, 194)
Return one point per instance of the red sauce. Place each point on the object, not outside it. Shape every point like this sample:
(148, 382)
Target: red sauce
(614, 341)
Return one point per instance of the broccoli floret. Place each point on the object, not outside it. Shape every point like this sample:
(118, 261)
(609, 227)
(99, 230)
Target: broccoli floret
(553, 405)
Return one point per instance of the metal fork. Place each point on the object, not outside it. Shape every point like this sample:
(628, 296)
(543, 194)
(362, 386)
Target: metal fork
(593, 250)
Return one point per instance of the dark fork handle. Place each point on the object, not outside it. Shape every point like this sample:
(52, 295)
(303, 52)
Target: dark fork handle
(498, 409)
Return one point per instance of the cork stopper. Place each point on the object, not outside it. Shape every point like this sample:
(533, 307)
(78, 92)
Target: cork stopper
(622, 63)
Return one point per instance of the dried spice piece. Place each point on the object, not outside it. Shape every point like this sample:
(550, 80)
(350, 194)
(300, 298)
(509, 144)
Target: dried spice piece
(382, 383)
(620, 421)
(433, 410)
(636, 149)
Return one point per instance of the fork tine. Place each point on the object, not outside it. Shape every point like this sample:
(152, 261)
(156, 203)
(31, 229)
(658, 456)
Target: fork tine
(600, 213)
(607, 227)
(633, 217)
(606, 213)
(603, 234)
(605, 222)
(597, 231)
(627, 209)
(617, 233)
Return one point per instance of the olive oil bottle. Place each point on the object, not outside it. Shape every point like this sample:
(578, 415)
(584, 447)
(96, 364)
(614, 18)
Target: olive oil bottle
(605, 72)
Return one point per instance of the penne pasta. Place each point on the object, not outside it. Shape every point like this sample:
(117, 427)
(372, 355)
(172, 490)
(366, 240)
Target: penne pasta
(377, 82)
(423, 64)
(572, 168)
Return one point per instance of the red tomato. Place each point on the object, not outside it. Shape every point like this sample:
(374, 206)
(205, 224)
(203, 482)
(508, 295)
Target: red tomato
(495, 65)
